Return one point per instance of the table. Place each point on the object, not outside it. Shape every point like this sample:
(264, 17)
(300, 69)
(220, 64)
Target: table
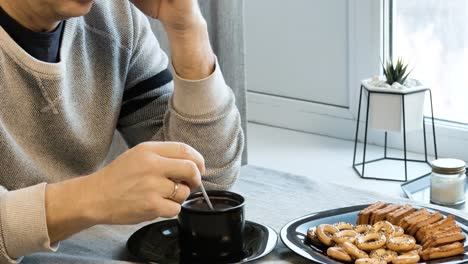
(273, 198)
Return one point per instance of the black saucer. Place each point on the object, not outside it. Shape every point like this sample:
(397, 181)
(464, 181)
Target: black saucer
(158, 242)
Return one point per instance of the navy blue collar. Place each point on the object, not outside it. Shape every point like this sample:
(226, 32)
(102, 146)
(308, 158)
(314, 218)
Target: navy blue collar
(44, 46)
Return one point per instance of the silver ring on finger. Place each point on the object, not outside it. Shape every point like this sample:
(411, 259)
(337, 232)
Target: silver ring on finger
(174, 193)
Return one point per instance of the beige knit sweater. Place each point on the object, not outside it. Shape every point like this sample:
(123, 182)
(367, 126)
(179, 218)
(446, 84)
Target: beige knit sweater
(57, 120)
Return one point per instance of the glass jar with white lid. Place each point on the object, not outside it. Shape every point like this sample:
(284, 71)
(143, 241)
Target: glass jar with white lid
(448, 180)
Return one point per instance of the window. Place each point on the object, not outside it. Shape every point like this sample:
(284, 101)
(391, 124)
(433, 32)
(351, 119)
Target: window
(345, 40)
(432, 36)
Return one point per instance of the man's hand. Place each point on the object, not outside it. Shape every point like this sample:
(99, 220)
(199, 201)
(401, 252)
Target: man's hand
(176, 15)
(186, 29)
(134, 188)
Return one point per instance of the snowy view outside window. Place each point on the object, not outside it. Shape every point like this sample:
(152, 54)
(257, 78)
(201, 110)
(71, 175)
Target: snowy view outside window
(432, 36)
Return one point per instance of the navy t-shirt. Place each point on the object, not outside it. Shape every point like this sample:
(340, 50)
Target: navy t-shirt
(44, 46)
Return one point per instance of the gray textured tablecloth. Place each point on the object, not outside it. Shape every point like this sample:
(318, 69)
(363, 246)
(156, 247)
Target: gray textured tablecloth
(273, 198)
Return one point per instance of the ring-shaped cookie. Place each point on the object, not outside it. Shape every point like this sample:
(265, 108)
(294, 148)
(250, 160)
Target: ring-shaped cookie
(371, 241)
(344, 226)
(339, 253)
(362, 229)
(399, 231)
(345, 236)
(384, 227)
(381, 253)
(370, 261)
(407, 259)
(312, 235)
(354, 251)
(325, 234)
(402, 243)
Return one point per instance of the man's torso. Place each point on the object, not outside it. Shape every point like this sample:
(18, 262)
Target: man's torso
(57, 120)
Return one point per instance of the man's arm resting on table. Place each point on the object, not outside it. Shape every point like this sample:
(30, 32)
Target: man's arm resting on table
(69, 208)
(23, 227)
(132, 189)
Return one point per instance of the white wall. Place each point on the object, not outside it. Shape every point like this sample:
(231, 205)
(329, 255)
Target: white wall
(298, 49)
(298, 62)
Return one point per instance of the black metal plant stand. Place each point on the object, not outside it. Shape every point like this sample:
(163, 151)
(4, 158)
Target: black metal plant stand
(405, 159)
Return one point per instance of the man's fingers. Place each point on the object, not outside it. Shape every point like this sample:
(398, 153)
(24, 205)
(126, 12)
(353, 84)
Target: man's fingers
(167, 208)
(165, 187)
(176, 150)
(184, 171)
(183, 192)
(173, 190)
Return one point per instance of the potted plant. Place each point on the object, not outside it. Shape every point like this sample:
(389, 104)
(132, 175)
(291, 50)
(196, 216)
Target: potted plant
(386, 99)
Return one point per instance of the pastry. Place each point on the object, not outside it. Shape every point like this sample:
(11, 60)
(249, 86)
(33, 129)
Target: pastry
(433, 218)
(434, 235)
(444, 238)
(412, 218)
(381, 214)
(396, 216)
(364, 215)
(443, 251)
(448, 221)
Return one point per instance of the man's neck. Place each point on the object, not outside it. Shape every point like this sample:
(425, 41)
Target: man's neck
(28, 16)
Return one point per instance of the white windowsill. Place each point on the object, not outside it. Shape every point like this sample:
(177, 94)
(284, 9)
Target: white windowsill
(324, 158)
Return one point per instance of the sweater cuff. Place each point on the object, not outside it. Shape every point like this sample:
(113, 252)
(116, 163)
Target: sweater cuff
(23, 222)
(200, 97)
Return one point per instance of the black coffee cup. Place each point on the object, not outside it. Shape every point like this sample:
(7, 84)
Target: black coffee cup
(212, 235)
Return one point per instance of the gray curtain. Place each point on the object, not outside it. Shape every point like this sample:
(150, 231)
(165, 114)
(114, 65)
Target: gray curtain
(225, 20)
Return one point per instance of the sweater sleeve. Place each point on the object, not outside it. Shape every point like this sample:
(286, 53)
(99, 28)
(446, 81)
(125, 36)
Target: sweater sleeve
(23, 226)
(164, 107)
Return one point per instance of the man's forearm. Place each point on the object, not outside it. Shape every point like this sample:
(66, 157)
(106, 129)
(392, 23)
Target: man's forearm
(192, 55)
(68, 208)
(133, 188)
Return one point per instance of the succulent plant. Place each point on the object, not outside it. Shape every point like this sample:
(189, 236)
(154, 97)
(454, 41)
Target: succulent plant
(396, 73)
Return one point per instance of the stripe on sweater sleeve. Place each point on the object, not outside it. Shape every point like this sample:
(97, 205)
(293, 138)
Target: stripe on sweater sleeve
(158, 80)
(144, 93)
(23, 223)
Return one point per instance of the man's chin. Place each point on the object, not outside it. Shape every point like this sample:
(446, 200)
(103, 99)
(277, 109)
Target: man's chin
(77, 8)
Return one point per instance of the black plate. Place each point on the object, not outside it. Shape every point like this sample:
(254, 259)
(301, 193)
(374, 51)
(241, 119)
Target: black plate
(420, 190)
(294, 235)
(159, 242)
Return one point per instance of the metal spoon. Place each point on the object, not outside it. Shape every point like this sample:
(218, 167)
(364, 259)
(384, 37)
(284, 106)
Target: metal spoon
(205, 195)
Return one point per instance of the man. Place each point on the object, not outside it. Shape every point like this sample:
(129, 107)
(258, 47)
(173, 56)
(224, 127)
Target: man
(73, 71)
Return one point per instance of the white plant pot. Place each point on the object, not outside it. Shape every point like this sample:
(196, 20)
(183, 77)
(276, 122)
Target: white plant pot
(386, 108)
